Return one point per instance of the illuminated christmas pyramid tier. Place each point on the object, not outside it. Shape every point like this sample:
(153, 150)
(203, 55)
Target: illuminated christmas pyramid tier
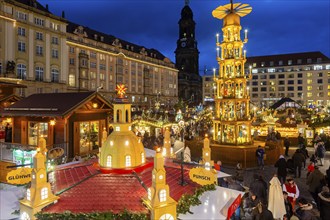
(232, 124)
(122, 148)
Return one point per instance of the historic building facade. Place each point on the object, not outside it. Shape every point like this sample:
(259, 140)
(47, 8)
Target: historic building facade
(51, 54)
(303, 77)
(187, 59)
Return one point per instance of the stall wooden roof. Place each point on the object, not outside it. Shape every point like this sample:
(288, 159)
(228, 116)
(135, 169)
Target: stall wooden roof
(57, 104)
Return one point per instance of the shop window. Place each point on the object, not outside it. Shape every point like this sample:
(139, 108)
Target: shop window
(162, 195)
(37, 130)
(89, 136)
(207, 166)
(28, 194)
(44, 193)
(128, 161)
(109, 161)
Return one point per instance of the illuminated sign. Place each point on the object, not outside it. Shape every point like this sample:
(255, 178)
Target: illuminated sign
(19, 176)
(202, 176)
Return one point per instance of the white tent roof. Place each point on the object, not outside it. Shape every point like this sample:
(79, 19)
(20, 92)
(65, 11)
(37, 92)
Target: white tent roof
(214, 204)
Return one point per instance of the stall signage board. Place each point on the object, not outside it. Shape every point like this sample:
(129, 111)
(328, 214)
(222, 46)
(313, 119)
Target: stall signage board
(232, 208)
(19, 176)
(202, 176)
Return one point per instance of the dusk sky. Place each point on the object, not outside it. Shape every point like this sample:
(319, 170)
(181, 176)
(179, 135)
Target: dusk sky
(275, 26)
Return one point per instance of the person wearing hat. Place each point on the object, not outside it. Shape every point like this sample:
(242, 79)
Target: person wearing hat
(304, 211)
(314, 181)
(291, 188)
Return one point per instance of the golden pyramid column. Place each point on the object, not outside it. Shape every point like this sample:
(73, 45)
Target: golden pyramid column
(39, 194)
(232, 121)
(167, 150)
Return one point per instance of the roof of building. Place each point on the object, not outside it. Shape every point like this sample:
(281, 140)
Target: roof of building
(282, 101)
(52, 104)
(264, 61)
(112, 40)
(113, 192)
(34, 4)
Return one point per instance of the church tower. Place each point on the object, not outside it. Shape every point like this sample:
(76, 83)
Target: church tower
(161, 205)
(39, 195)
(232, 123)
(187, 58)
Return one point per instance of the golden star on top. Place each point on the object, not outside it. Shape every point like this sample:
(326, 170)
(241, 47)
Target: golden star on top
(121, 90)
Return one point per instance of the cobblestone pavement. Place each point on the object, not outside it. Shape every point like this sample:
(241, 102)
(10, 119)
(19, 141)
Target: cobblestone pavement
(270, 170)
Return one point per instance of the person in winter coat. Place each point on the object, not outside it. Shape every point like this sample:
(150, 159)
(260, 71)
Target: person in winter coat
(288, 205)
(259, 188)
(324, 199)
(281, 169)
(304, 212)
(310, 168)
(313, 181)
(262, 213)
(320, 152)
(328, 176)
(298, 159)
(248, 204)
(260, 152)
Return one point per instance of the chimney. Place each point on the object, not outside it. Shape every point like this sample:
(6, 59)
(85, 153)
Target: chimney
(47, 7)
(63, 14)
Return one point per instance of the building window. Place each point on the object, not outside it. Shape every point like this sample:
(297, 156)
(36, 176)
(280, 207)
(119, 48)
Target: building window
(44, 193)
(299, 81)
(89, 136)
(280, 62)
(71, 49)
(39, 50)
(55, 75)
(271, 70)
(21, 31)
(55, 53)
(71, 61)
(109, 161)
(21, 71)
(263, 89)
(309, 81)
(39, 36)
(162, 195)
(128, 161)
(320, 81)
(309, 60)
(102, 66)
(28, 194)
(320, 74)
(290, 88)
(92, 54)
(92, 65)
(21, 46)
(54, 40)
(21, 16)
(72, 80)
(39, 21)
(102, 76)
(299, 61)
(317, 67)
(290, 82)
(289, 62)
(39, 71)
(93, 75)
(319, 60)
(54, 26)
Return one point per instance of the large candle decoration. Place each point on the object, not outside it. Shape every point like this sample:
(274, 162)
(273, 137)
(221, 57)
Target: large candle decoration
(245, 33)
(217, 38)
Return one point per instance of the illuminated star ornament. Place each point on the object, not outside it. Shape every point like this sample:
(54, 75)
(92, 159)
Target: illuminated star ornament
(121, 90)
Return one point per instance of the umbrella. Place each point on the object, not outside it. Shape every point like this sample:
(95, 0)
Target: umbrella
(275, 200)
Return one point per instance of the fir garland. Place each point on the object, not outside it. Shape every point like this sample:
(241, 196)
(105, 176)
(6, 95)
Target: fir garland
(186, 201)
(124, 215)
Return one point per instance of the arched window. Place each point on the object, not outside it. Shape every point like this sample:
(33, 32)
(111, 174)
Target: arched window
(207, 166)
(72, 80)
(44, 193)
(109, 161)
(128, 161)
(25, 216)
(55, 75)
(21, 71)
(142, 157)
(28, 194)
(162, 195)
(166, 217)
(39, 71)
